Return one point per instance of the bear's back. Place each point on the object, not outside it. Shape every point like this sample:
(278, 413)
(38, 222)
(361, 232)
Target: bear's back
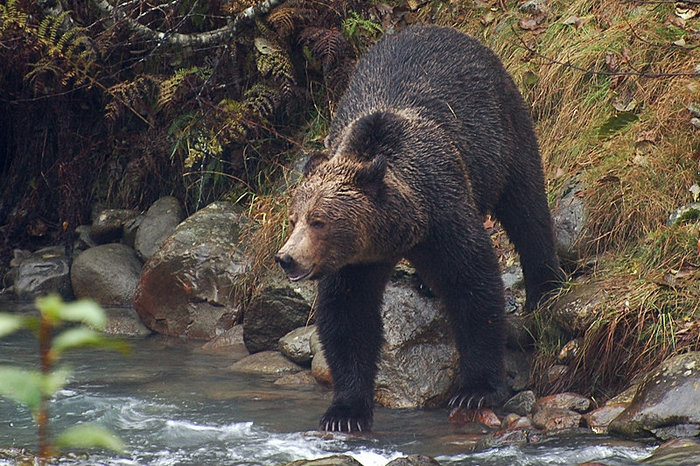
(452, 79)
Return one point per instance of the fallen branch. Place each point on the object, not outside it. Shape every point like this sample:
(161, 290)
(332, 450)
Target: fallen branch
(223, 34)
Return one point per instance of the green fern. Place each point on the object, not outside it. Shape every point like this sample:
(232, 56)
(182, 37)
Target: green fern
(11, 17)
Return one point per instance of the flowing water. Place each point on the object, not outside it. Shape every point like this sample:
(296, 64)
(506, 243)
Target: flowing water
(172, 403)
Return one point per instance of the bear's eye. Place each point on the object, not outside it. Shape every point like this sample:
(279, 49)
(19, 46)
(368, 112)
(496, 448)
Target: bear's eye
(317, 224)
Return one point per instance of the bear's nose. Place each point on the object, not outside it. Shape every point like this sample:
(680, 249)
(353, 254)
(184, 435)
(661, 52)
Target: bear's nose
(284, 259)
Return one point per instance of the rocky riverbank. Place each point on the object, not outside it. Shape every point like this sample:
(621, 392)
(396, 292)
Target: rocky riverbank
(159, 272)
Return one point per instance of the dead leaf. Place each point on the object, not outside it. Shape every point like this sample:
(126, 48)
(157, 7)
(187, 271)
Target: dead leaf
(612, 62)
(531, 23)
(685, 12)
(674, 20)
(489, 222)
(574, 21)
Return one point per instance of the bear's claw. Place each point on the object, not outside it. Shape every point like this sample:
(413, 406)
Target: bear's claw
(475, 398)
(345, 419)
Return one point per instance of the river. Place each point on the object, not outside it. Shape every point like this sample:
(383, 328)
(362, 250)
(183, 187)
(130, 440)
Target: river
(172, 403)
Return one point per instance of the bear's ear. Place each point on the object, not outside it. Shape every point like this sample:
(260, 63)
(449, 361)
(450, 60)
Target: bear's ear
(372, 134)
(316, 158)
(370, 175)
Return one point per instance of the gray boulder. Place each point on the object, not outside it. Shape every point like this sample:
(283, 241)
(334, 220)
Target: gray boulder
(274, 311)
(42, 272)
(418, 365)
(574, 311)
(667, 402)
(569, 217)
(107, 273)
(157, 225)
(187, 287)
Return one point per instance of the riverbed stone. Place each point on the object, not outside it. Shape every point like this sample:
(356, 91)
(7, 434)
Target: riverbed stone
(485, 416)
(231, 339)
(319, 366)
(124, 322)
(566, 400)
(42, 272)
(335, 460)
(418, 364)
(680, 451)
(551, 419)
(295, 345)
(599, 419)
(107, 273)
(188, 287)
(157, 225)
(668, 396)
(518, 365)
(273, 312)
(521, 403)
(298, 378)
(414, 460)
(108, 225)
(576, 310)
(265, 362)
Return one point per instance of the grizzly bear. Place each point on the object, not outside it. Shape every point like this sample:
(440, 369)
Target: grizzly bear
(430, 135)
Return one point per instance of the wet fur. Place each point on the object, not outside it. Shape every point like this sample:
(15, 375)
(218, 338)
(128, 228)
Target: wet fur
(430, 135)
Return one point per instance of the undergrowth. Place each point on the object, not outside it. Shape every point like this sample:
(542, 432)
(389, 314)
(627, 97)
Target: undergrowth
(609, 84)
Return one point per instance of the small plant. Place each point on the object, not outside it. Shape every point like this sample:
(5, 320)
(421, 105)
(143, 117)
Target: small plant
(34, 388)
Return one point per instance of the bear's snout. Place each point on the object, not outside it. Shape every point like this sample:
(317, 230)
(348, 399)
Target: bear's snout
(285, 260)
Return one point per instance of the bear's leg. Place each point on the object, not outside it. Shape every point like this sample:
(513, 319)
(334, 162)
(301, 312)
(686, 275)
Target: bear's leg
(462, 269)
(350, 328)
(524, 214)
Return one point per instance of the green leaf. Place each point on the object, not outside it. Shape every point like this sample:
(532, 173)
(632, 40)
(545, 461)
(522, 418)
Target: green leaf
(54, 381)
(89, 436)
(81, 337)
(10, 323)
(22, 386)
(85, 311)
(616, 123)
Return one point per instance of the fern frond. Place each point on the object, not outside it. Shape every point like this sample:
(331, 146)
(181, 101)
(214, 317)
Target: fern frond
(326, 44)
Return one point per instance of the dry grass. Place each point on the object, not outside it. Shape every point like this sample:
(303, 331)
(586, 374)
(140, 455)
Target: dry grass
(635, 177)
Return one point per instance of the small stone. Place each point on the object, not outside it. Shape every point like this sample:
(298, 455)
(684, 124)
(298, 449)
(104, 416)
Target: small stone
(514, 422)
(295, 345)
(320, 369)
(414, 460)
(570, 351)
(483, 416)
(335, 460)
(299, 378)
(551, 419)
(599, 419)
(522, 403)
(265, 362)
(567, 400)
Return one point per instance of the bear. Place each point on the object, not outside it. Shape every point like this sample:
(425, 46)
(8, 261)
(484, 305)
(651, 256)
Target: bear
(430, 135)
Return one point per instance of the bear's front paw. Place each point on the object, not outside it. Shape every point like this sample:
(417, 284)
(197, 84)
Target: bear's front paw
(346, 419)
(472, 397)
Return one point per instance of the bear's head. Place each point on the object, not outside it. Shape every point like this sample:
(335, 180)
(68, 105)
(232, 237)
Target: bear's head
(334, 212)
